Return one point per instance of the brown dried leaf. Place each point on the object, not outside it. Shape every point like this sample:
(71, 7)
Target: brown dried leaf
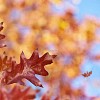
(87, 74)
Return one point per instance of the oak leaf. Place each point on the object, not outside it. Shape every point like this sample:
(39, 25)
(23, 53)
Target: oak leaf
(87, 74)
(16, 93)
(1, 36)
(1, 26)
(26, 69)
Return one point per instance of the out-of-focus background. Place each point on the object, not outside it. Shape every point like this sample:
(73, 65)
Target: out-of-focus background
(68, 28)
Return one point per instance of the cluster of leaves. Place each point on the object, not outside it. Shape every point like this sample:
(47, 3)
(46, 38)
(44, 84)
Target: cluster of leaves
(26, 69)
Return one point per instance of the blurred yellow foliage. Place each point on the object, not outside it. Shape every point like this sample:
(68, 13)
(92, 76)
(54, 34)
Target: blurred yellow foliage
(31, 24)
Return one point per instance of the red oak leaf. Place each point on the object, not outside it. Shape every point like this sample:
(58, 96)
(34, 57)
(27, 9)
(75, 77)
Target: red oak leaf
(1, 27)
(17, 94)
(5, 62)
(27, 68)
(87, 74)
(1, 36)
